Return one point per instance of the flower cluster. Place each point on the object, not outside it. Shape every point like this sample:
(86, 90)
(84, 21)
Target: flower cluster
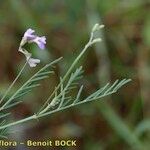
(30, 37)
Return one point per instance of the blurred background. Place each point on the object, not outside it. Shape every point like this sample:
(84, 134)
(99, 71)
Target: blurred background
(119, 122)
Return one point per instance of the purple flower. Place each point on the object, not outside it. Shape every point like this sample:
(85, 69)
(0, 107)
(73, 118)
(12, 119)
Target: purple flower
(40, 41)
(30, 37)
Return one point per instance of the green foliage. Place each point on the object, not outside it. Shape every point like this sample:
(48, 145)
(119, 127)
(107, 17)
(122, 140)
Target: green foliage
(60, 98)
(102, 92)
(3, 132)
(124, 53)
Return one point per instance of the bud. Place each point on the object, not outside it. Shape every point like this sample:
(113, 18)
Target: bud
(97, 27)
(97, 40)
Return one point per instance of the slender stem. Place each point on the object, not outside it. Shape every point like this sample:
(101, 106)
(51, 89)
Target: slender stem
(12, 97)
(10, 87)
(69, 71)
(37, 116)
(18, 122)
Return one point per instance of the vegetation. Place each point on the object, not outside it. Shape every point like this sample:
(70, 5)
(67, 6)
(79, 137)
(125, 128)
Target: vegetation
(118, 122)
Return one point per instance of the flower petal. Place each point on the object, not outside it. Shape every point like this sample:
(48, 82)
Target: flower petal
(33, 62)
(40, 41)
(28, 35)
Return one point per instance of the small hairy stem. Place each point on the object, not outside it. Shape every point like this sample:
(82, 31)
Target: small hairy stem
(10, 87)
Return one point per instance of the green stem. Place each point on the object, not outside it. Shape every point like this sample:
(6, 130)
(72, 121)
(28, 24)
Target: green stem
(12, 97)
(69, 71)
(10, 87)
(37, 116)
(18, 122)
